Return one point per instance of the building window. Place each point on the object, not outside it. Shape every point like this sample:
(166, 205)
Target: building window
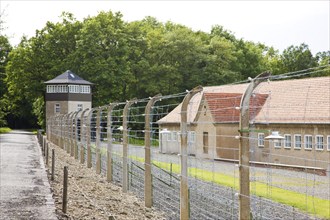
(85, 89)
(205, 142)
(319, 142)
(192, 137)
(74, 89)
(277, 143)
(261, 139)
(287, 141)
(297, 141)
(174, 136)
(57, 108)
(57, 89)
(169, 136)
(79, 107)
(328, 141)
(308, 139)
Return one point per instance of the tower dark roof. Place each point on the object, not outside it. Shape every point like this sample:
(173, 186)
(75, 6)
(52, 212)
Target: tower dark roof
(68, 77)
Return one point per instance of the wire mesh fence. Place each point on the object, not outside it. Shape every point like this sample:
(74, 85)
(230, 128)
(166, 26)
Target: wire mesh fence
(286, 143)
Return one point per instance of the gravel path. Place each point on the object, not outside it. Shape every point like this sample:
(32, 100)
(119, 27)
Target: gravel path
(90, 196)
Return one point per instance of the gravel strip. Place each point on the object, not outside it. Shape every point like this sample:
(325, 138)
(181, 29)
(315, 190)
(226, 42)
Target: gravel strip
(90, 196)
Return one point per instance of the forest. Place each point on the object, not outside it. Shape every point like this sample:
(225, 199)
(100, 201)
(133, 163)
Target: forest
(131, 59)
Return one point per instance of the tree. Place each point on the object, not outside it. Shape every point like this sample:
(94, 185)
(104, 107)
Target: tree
(102, 56)
(35, 61)
(296, 58)
(5, 49)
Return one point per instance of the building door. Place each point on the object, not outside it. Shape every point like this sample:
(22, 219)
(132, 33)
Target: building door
(205, 142)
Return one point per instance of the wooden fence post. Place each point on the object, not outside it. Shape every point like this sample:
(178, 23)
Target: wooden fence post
(65, 190)
(47, 152)
(53, 164)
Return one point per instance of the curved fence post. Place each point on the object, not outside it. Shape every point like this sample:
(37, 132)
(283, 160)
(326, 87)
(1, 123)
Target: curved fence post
(244, 147)
(89, 153)
(109, 141)
(125, 144)
(76, 135)
(147, 155)
(82, 136)
(98, 140)
(70, 148)
(184, 198)
(61, 143)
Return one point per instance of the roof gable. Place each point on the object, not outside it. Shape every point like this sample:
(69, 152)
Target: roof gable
(68, 77)
(224, 107)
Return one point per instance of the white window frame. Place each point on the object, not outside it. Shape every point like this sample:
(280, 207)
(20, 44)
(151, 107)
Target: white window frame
(295, 141)
(57, 108)
(308, 142)
(261, 139)
(277, 143)
(74, 89)
(174, 136)
(319, 145)
(287, 144)
(192, 137)
(85, 89)
(169, 136)
(328, 142)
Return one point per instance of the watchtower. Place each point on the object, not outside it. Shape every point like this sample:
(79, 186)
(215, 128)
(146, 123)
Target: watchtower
(67, 93)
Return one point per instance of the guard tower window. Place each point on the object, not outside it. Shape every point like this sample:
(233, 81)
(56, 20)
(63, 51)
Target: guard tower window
(85, 89)
(57, 108)
(74, 89)
(79, 107)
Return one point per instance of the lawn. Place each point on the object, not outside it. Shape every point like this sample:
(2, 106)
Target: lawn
(4, 130)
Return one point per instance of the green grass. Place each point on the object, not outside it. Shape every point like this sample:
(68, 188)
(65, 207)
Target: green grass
(309, 204)
(4, 130)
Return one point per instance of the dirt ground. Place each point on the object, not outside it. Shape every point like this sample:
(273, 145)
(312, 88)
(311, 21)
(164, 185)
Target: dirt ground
(90, 196)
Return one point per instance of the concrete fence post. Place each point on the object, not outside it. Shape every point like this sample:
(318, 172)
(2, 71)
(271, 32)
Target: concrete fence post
(109, 141)
(83, 133)
(244, 148)
(74, 152)
(67, 135)
(147, 162)
(98, 140)
(89, 153)
(125, 144)
(184, 194)
(72, 134)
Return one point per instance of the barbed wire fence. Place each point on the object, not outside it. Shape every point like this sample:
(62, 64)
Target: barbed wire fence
(194, 168)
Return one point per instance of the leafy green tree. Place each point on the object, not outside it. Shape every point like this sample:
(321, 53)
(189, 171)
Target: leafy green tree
(296, 58)
(5, 49)
(102, 56)
(35, 61)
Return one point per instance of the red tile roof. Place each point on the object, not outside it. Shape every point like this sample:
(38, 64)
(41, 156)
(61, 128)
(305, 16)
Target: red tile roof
(224, 106)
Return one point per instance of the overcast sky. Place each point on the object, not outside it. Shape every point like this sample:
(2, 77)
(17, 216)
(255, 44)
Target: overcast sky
(274, 23)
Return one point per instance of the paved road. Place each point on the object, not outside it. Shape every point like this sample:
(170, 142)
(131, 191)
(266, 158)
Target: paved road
(24, 187)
